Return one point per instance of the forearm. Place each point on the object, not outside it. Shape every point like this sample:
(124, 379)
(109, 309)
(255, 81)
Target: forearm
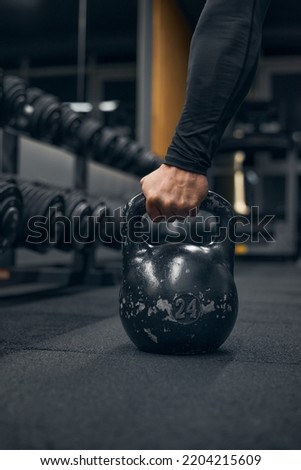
(222, 63)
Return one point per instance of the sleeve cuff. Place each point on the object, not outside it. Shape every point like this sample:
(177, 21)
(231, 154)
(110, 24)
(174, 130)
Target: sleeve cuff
(192, 166)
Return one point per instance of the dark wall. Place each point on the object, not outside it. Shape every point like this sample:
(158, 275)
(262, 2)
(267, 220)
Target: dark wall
(45, 31)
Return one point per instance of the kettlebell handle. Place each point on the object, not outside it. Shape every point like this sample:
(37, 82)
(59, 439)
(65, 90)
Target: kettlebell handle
(213, 204)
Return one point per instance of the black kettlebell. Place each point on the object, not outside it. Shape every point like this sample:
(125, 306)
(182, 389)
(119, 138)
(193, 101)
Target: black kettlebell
(179, 298)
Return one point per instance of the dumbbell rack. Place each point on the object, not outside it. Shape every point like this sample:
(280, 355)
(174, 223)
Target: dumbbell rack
(82, 269)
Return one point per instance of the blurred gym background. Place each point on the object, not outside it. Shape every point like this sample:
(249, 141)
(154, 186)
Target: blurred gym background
(90, 95)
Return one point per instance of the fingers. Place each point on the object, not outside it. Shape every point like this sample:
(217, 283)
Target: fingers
(153, 211)
(158, 209)
(172, 193)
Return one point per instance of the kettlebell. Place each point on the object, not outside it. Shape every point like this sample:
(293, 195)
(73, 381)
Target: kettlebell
(179, 297)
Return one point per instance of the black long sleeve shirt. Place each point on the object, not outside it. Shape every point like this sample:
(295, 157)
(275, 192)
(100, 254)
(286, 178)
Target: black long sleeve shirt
(223, 59)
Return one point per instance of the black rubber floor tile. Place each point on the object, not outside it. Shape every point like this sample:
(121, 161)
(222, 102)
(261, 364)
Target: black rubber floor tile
(129, 400)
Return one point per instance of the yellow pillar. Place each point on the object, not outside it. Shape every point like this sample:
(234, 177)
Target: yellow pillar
(171, 37)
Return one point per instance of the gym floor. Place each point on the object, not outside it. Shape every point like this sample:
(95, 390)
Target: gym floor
(70, 378)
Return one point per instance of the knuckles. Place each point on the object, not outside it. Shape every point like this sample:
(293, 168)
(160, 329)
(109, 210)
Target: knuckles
(153, 200)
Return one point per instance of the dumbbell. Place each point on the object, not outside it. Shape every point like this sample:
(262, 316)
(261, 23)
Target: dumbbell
(105, 145)
(43, 114)
(14, 100)
(76, 223)
(113, 149)
(116, 150)
(88, 137)
(69, 124)
(43, 208)
(10, 214)
(32, 95)
(99, 213)
(127, 152)
(146, 163)
(109, 230)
